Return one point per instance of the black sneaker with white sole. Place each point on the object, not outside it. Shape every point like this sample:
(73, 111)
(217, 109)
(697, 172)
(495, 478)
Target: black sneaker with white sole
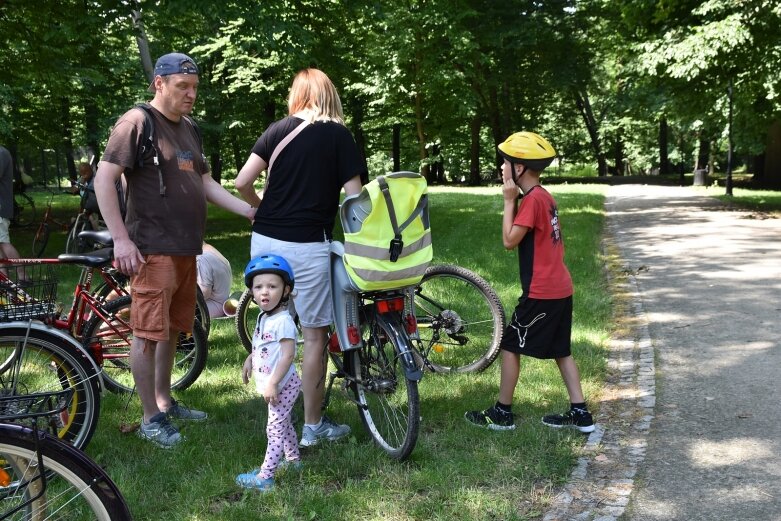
(573, 419)
(492, 418)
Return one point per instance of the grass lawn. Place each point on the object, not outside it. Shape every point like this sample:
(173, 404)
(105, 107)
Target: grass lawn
(455, 471)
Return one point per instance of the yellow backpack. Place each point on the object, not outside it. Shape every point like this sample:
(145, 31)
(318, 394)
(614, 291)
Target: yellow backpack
(387, 235)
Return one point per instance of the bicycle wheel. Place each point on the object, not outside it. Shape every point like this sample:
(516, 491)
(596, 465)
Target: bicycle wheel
(50, 363)
(40, 240)
(246, 318)
(75, 244)
(108, 339)
(103, 292)
(388, 402)
(68, 486)
(24, 210)
(460, 320)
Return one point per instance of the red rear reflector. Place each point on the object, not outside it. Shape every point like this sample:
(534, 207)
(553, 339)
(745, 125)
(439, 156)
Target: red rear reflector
(390, 305)
(96, 350)
(352, 335)
(333, 343)
(411, 324)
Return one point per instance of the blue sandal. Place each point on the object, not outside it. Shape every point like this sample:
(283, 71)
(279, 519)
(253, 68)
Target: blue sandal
(251, 480)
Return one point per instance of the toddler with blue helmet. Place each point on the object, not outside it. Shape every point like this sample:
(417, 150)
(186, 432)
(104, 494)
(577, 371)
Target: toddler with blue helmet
(270, 279)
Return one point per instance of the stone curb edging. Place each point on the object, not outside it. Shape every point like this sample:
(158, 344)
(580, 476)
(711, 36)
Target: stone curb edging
(600, 485)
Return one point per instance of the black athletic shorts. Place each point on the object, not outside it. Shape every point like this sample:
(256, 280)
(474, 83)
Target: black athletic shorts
(540, 328)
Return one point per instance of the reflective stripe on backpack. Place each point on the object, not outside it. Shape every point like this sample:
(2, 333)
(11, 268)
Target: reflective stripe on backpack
(387, 234)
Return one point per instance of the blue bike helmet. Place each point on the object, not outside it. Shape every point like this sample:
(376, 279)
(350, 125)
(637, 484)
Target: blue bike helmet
(269, 264)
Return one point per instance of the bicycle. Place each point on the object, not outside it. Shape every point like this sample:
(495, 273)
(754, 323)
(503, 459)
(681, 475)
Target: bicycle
(24, 210)
(37, 358)
(102, 325)
(85, 220)
(42, 477)
(41, 237)
(372, 349)
(460, 320)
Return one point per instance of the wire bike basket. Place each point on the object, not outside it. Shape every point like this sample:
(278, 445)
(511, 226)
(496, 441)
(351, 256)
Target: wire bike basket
(27, 291)
(35, 405)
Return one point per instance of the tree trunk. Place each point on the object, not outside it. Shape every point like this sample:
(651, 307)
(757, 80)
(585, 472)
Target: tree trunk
(143, 43)
(67, 140)
(474, 150)
(238, 158)
(702, 154)
(423, 152)
(664, 162)
(396, 147)
(496, 124)
(772, 169)
(584, 106)
(360, 137)
(619, 157)
(215, 162)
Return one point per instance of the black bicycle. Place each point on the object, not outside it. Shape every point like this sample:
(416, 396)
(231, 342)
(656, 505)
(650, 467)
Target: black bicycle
(24, 210)
(42, 477)
(460, 320)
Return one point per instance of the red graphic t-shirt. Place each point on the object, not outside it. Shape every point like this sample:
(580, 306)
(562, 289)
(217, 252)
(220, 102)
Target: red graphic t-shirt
(541, 252)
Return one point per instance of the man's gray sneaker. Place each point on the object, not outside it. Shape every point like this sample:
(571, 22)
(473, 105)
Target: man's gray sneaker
(328, 430)
(160, 431)
(180, 412)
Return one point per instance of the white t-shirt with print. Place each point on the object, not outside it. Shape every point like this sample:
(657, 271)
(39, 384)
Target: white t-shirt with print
(269, 331)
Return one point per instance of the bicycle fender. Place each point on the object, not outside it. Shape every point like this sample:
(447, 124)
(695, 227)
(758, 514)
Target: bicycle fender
(411, 369)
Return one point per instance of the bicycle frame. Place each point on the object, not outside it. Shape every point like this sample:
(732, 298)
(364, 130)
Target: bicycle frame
(85, 303)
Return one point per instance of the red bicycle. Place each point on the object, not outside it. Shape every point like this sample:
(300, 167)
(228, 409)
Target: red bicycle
(98, 318)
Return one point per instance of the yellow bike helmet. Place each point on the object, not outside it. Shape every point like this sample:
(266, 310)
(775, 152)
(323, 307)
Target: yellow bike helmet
(528, 149)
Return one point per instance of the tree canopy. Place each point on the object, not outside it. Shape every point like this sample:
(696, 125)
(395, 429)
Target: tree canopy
(427, 85)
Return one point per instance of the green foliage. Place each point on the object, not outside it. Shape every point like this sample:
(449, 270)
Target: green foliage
(455, 77)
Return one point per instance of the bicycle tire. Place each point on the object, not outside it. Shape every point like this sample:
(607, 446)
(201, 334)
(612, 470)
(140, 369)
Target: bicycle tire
(75, 244)
(103, 291)
(49, 363)
(247, 313)
(75, 486)
(388, 401)
(460, 320)
(40, 240)
(24, 214)
(109, 342)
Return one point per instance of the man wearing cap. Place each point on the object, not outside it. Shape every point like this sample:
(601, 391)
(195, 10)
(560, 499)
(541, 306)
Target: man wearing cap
(157, 242)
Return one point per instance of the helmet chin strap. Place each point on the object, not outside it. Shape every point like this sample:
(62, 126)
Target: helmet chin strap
(283, 299)
(523, 171)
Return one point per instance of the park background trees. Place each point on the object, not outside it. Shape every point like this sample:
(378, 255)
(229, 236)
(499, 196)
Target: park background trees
(619, 87)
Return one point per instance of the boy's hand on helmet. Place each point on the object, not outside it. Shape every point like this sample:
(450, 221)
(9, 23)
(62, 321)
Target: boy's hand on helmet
(510, 190)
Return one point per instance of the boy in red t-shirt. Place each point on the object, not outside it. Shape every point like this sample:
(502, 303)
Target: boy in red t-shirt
(542, 322)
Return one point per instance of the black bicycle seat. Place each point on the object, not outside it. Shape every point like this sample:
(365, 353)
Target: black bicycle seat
(100, 236)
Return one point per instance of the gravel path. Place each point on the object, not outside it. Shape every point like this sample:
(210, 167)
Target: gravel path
(690, 425)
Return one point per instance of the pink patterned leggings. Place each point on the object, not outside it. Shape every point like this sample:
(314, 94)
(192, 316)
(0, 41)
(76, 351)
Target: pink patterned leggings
(281, 434)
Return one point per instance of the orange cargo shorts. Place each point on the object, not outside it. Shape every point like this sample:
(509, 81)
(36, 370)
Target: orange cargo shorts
(163, 296)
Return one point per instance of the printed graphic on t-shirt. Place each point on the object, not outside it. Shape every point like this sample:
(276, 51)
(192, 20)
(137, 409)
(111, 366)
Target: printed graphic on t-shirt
(554, 222)
(261, 359)
(185, 160)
